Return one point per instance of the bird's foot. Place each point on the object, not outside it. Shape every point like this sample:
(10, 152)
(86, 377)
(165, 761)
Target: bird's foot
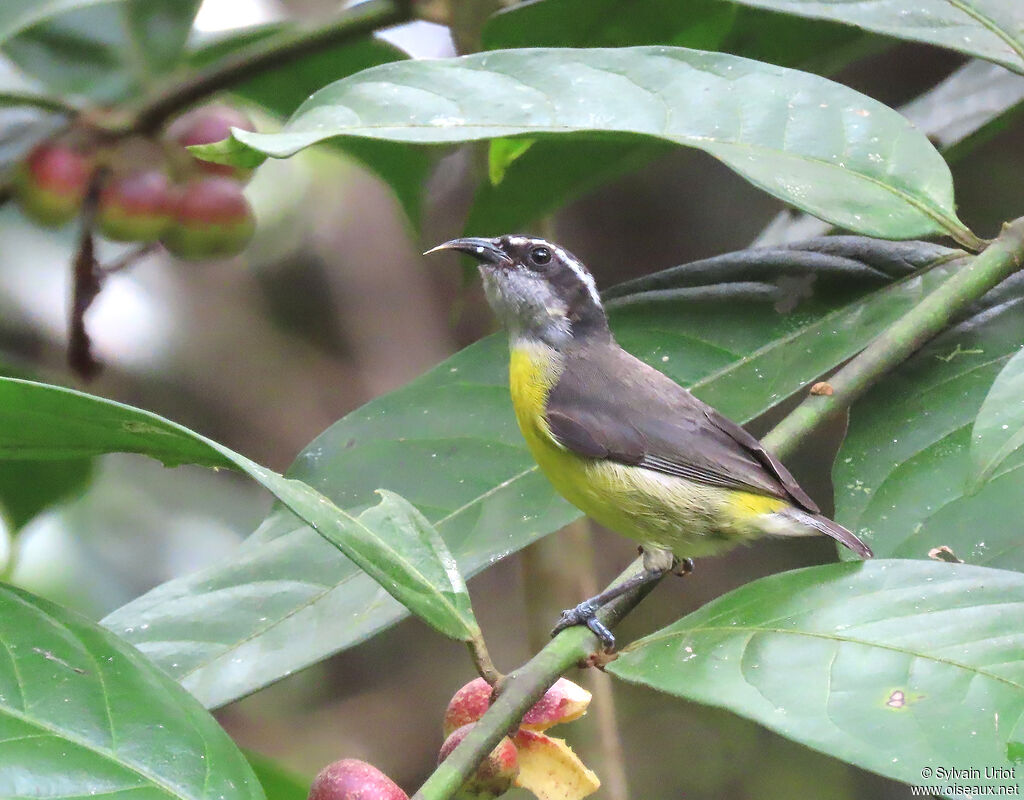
(586, 614)
(682, 567)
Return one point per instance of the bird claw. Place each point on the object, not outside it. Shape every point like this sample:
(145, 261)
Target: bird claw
(586, 614)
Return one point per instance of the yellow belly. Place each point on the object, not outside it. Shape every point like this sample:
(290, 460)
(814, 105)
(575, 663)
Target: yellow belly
(688, 518)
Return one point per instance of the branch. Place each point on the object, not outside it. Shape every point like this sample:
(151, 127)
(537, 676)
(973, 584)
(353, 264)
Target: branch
(86, 284)
(265, 56)
(41, 101)
(890, 349)
(522, 688)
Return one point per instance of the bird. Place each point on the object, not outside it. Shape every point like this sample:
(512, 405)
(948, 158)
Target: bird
(619, 439)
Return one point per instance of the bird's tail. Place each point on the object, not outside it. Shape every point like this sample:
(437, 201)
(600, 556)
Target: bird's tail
(830, 528)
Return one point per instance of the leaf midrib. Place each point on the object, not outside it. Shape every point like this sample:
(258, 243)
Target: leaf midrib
(829, 637)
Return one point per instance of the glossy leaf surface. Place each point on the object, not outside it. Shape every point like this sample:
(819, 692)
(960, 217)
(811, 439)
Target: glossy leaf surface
(83, 714)
(390, 541)
(989, 29)
(895, 666)
(999, 427)
(905, 474)
(815, 144)
(107, 52)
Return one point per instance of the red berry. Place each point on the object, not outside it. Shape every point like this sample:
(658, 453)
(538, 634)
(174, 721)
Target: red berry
(137, 207)
(210, 124)
(51, 183)
(495, 774)
(352, 779)
(212, 219)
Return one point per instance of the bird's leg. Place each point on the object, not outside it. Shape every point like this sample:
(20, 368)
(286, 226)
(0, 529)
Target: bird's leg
(656, 564)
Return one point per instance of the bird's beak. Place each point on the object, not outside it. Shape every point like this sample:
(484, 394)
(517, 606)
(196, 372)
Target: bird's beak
(486, 251)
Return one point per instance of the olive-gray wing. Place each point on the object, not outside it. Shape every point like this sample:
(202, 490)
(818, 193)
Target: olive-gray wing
(609, 405)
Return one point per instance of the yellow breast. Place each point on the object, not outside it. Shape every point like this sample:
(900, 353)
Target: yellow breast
(687, 517)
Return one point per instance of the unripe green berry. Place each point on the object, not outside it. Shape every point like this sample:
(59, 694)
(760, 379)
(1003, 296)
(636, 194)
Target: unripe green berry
(212, 219)
(206, 125)
(137, 207)
(50, 184)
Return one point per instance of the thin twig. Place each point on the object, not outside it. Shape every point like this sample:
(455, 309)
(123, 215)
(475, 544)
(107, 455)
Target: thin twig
(892, 347)
(41, 101)
(129, 259)
(265, 56)
(86, 284)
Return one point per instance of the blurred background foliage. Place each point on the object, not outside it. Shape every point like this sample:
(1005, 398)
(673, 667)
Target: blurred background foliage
(332, 305)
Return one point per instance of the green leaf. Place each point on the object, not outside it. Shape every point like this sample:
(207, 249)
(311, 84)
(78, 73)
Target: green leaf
(546, 176)
(83, 714)
(107, 52)
(390, 541)
(278, 783)
(17, 15)
(28, 487)
(501, 154)
(989, 29)
(568, 169)
(902, 474)
(891, 665)
(601, 23)
(813, 143)
(449, 443)
(999, 427)
(970, 105)
(964, 110)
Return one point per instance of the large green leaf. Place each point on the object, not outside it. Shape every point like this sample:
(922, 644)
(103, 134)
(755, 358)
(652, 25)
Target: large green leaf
(448, 441)
(83, 714)
(567, 169)
(816, 144)
(962, 111)
(28, 487)
(390, 541)
(896, 666)
(601, 23)
(903, 473)
(989, 29)
(108, 52)
(278, 782)
(999, 427)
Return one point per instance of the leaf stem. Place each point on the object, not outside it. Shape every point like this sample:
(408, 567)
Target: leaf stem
(41, 101)
(482, 660)
(892, 347)
(265, 56)
(521, 690)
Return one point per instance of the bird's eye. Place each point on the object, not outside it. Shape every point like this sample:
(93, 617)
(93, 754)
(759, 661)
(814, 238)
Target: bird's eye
(540, 255)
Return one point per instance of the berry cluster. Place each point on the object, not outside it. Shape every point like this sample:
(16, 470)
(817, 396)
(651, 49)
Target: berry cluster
(149, 190)
(527, 757)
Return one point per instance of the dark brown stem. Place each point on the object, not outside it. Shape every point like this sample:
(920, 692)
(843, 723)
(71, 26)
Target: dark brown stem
(265, 56)
(86, 284)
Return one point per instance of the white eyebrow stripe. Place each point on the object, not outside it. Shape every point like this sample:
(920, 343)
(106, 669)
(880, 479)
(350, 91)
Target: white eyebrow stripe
(581, 273)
